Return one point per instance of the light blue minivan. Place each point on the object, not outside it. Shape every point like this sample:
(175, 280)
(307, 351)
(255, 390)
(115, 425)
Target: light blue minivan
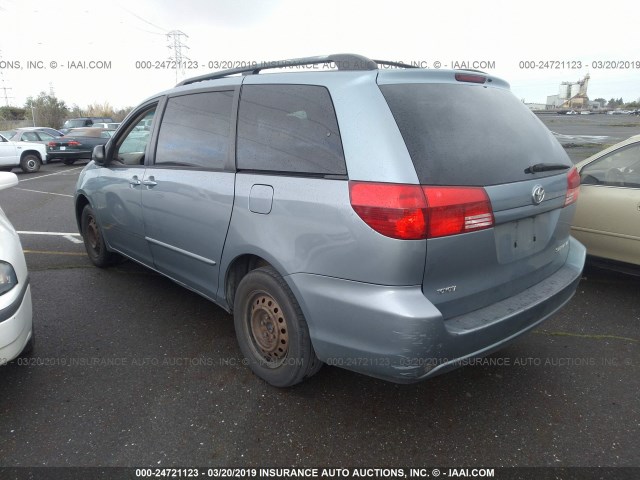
(393, 221)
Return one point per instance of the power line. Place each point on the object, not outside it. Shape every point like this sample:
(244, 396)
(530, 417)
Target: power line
(164, 30)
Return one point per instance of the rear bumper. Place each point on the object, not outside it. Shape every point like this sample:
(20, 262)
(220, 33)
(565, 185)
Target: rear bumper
(69, 154)
(16, 325)
(395, 333)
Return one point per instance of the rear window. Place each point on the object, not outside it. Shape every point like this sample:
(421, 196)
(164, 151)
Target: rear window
(470, 135)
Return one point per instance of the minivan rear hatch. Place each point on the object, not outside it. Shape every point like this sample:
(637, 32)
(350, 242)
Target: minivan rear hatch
(469, 130)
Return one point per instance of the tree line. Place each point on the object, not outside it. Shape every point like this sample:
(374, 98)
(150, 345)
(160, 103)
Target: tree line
(618, 103)
(46, 110)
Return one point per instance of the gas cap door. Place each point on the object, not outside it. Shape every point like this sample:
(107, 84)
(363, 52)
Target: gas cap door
(261, 198)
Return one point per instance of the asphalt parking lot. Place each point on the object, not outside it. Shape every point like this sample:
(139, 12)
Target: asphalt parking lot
(130, 369)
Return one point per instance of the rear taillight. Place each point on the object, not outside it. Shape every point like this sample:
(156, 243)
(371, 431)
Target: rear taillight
(454, 210)
(414, 212)
(73, 143)
(52, 143)
(573, 186)
(394, 210)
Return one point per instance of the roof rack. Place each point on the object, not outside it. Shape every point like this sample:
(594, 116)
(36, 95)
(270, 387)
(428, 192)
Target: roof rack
(344, 62)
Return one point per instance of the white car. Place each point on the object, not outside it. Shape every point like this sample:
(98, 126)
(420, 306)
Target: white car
(28, 156)
(16, 328)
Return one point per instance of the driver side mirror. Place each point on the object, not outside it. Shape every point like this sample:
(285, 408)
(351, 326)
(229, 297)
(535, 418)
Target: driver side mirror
(98, 155)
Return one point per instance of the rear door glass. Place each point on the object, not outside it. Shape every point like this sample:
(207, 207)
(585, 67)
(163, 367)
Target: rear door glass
(470, 135)
(289, 128)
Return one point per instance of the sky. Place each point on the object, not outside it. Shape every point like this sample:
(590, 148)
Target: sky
(535, 46)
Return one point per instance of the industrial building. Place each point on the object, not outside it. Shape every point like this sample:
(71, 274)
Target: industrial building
(573, 96)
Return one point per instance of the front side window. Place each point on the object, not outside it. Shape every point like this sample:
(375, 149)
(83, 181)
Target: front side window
(617, 169)
(131, 149)
(195, 131)
(289, 128)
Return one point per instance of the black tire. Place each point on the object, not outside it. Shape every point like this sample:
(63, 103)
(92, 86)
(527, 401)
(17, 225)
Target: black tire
(30, 163)
(271, 329)
(94, 240)
(68, 161)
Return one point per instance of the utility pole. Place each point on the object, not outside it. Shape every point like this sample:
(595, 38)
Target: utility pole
(3, 87)
(176, 44)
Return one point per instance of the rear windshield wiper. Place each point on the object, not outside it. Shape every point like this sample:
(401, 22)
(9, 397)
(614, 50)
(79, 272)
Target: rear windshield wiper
(546, 167)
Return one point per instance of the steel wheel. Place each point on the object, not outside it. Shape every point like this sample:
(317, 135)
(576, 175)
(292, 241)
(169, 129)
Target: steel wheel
(93, 235)
(94, 242)
(269, 330)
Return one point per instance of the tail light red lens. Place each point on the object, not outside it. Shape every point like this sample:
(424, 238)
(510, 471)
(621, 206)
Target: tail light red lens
(454, 210)
(73, 143)
(414, 212)
(52, 143)
(573, 186)
(394, 210)
(470, 77)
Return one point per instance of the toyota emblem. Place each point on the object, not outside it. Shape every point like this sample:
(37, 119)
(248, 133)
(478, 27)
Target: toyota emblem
(537, 194)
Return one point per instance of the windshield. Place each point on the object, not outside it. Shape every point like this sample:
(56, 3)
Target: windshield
(8, 133)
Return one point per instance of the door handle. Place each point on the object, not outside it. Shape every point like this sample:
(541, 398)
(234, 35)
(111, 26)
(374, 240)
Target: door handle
(149, 182)
(134, 181)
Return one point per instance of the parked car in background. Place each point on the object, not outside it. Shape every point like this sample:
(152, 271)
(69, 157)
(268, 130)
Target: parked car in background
(395, 222)
(8, 134)
(34, 135)
(51, 131)
(77, 144)
(607, 219)
(16, 327)
(83, 122)
(26, 155)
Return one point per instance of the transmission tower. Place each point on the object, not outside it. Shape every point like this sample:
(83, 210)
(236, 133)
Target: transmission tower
(178, 47)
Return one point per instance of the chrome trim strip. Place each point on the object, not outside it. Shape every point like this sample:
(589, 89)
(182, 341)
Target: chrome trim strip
(179, 250)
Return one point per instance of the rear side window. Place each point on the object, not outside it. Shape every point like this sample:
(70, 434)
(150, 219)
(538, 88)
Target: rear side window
(470, 135)
(289, 128)
(195, 131)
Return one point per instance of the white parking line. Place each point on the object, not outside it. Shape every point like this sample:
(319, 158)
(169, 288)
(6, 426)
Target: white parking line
(50, 174)
(48, 193)
(72, 237)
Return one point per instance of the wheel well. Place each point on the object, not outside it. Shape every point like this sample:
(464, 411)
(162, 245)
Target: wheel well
(31, 152)
(236, 272)
(81, 202)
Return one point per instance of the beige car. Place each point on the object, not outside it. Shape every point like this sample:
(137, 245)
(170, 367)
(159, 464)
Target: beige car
(607, 219)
